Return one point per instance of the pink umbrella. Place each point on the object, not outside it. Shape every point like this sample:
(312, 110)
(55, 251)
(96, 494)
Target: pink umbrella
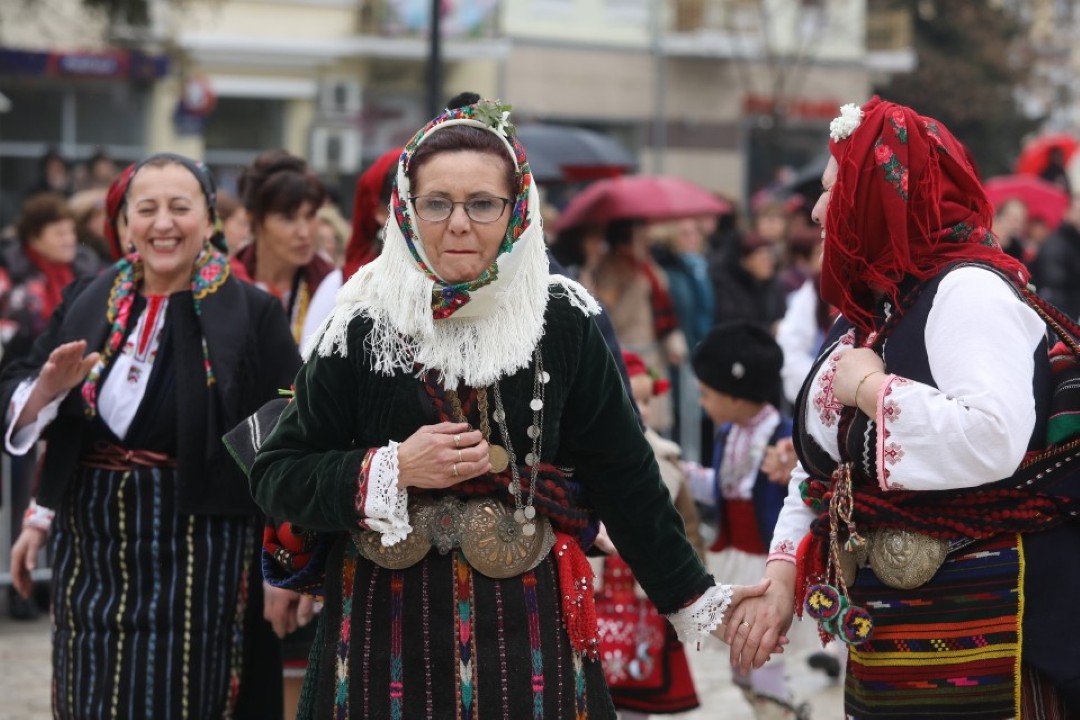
(1044, 200)
(649, 197)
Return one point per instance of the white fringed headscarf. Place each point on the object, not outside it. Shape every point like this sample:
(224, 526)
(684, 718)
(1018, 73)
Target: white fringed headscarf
(493, 334)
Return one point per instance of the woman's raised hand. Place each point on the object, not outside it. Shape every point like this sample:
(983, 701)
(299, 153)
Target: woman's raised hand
(443, 455)
(65, 368)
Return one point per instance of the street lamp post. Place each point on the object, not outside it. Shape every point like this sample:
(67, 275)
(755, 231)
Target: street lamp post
(434, 74)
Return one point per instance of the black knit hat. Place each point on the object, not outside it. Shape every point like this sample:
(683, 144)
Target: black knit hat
(740, 359)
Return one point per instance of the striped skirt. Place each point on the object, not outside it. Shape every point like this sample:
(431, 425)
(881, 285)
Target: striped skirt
(439, 640)
(148, 602)
(950, 649)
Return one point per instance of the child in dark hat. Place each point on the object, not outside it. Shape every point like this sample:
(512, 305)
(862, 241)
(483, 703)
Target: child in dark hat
(738, 370)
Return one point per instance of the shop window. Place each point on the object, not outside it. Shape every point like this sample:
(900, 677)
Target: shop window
(110, 114)
(36, 115)
(245, 124)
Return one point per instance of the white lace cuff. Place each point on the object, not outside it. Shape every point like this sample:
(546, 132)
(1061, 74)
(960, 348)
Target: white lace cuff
(19, 443)
(696, 621)
(386, 506)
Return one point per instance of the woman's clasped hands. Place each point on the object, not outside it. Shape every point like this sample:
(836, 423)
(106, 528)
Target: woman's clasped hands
(441, 456)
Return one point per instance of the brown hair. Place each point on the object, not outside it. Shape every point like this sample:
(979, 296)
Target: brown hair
(277, 181)
(40, 211)
(227, 205)
(459, 138)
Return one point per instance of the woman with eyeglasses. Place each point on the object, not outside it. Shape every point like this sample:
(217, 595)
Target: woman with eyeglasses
(457, 432)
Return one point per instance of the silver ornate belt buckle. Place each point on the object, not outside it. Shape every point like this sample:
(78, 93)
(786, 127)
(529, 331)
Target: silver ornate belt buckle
(904, 559)
(484, 529)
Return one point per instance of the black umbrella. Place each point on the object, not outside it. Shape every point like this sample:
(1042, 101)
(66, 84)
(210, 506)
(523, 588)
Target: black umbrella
(577, 153)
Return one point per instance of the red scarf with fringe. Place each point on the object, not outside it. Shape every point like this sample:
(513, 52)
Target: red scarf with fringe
(907, 202)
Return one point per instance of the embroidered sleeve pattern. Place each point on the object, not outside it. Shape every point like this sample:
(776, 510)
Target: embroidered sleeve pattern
(794, 521)
(696, 621)
(19, 443)
(382, 505)
(38, 516)
(889, 451)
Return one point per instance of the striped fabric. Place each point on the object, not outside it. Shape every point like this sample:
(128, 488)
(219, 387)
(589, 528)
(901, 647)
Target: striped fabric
(150, 602)
(505, 655)
(948, 649)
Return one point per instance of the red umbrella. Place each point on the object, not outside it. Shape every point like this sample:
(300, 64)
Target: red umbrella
(1036, 154)
(1044, 200)
(649, 197)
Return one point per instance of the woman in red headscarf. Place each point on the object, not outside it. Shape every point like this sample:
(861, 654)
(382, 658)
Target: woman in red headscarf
(912, 531)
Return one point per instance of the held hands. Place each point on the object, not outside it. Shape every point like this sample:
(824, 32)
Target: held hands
(860, 365)
(732, 629)
(443, 455)
(24, 554)
(758, 627)
(286, 610)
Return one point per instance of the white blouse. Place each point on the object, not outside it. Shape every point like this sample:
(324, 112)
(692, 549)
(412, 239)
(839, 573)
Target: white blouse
(972, 429)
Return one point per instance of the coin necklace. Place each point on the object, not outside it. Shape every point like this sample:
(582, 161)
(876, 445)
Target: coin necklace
(497, 455)
(524, 512)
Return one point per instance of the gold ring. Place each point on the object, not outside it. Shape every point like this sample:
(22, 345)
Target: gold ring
(457, 440)
(744, 623)
(454, 468)
(459, 456)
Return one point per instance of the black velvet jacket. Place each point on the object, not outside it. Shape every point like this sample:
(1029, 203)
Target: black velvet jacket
(307, 469)
(252, 354)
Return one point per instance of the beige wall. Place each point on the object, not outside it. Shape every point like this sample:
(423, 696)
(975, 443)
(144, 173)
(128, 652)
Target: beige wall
(592, 22)
(561, 81)
(250, 19)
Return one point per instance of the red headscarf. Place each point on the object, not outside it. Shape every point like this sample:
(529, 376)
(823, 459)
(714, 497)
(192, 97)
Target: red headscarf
(362, 248)
(907, 202)
(114, 200)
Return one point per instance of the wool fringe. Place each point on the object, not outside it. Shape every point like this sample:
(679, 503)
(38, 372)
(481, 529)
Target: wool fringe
(405, 337)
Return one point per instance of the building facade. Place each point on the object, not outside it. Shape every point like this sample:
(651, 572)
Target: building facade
(717, 91)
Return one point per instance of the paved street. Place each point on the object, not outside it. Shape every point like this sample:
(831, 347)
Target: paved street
(25, 674)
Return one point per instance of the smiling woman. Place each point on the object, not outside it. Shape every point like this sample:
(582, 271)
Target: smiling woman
(157, 604)
(169, 224)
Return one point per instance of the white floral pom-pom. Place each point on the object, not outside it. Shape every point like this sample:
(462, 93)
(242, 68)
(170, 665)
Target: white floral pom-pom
(850, 117)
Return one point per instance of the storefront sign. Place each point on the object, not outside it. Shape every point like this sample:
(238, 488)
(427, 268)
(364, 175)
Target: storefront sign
(110, 65)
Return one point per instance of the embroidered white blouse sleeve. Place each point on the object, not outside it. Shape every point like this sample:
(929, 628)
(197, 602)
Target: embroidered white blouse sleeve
(794, 521)
(20, 442)
(974, 429)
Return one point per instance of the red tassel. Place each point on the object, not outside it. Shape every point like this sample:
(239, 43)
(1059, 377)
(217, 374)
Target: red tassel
(578, 602)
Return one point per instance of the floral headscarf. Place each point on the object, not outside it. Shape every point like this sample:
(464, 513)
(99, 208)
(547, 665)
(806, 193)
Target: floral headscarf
(488, 115)
(906, 203)
(473, 332)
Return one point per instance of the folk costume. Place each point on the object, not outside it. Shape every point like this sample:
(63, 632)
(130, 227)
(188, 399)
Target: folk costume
(296, 301)
(157, 596)
(476, 601)
(930, 550)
